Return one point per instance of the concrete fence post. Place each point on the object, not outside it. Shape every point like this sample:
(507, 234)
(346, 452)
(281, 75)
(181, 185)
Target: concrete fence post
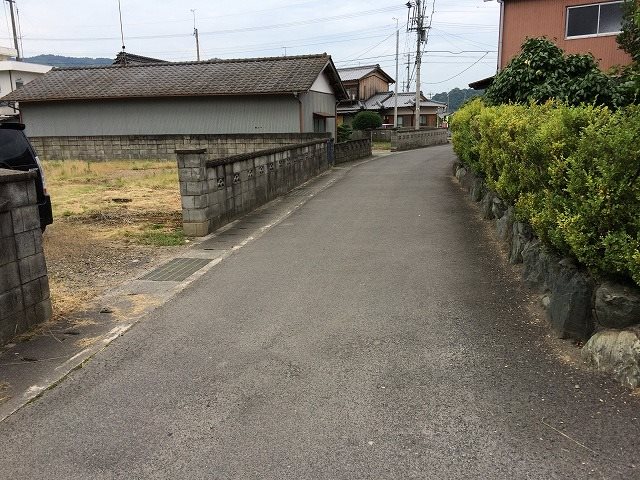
(24, 284)
(192, 175)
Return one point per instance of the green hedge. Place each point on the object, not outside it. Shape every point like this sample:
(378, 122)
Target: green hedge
(572, 172)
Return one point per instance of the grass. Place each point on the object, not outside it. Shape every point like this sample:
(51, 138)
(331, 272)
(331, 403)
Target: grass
(133, 200)
(381, 145)
(78, 187)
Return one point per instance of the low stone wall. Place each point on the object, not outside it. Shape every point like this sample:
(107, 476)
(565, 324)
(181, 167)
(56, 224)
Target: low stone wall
(24, 285)
(578, 306)
(409, 139)
(352, 150)
(214, 191)
(382, 135)
(161, 147)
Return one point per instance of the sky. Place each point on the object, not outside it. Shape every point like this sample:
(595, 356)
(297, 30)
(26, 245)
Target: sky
(462, 44)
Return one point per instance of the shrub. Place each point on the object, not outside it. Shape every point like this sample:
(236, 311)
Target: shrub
(344, 132)
(366, 120)
(572, 172)
(465, 141)
(542, 72)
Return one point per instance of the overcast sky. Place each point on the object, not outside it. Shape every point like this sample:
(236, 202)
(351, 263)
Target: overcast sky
(461, 48)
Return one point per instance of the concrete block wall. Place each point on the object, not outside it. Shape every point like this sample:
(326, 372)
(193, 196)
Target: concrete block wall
(24, 285)
(410, 139)
(161, 147)
(352, 150)
(215, 191)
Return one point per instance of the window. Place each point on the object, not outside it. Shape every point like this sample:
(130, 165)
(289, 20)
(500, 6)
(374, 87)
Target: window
(423, 120)
(19, 83)
(319, 124)
(593, 20)
(400, 120)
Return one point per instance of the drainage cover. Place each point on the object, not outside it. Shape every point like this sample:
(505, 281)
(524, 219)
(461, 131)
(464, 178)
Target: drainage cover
(176, 270)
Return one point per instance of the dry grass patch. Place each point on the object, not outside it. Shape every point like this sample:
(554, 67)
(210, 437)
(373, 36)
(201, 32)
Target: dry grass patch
(111, 220)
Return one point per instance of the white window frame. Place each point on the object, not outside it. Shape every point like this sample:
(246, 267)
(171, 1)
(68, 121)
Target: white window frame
(591, 35)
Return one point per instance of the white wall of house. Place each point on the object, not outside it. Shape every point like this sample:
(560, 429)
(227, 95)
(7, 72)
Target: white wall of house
(164, 116)
(12, 72)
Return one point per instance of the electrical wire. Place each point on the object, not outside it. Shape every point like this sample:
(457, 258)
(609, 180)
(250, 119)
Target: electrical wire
(458, 74)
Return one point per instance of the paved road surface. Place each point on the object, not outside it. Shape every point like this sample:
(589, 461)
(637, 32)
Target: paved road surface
(374, 334)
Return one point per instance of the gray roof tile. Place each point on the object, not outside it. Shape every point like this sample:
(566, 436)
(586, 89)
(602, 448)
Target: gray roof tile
(256, 76)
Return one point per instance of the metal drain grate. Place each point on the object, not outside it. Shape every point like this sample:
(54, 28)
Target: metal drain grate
(176, 270)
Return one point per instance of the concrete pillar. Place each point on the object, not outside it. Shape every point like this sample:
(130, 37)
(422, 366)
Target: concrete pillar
(192, 174)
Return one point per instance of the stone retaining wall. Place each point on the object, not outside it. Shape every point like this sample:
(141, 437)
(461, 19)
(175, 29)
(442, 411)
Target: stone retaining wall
(215, 191)
(161, 147)
(410, 139)
(24, 285)
(352, 150)
(578, 306)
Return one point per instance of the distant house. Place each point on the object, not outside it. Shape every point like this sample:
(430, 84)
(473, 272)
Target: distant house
(361, 84)
(384, 104)
(124, 59)
(576, 26)
(15, 75)
(260, 95)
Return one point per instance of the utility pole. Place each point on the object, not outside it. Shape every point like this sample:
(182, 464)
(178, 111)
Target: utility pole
(395, 106)
(15, 32)
(408, 72)
(417, 24)
(195, 34)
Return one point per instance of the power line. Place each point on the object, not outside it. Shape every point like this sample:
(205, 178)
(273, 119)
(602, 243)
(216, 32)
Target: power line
(226, 31)
(458, 74)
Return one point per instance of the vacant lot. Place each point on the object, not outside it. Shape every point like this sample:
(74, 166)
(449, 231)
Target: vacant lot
(111, 219)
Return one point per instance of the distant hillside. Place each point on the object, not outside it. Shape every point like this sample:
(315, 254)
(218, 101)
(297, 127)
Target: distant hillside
(61, 61)
(456, 97)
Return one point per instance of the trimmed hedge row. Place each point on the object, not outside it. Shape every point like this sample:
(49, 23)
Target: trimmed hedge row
(572, 172)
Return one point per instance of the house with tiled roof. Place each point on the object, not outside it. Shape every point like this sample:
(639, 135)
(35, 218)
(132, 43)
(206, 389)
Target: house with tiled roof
(296, 94)
(361, 83)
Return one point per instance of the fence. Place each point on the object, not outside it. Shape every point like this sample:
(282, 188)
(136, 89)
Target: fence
(214, 191)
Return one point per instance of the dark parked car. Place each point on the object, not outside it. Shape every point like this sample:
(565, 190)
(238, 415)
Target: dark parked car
(16, 153)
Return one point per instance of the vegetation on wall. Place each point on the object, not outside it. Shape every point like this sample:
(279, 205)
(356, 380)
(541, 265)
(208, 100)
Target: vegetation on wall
(572, 172)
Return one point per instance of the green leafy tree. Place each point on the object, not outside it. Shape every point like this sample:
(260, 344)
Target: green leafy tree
(543, 72)
(629, 39)
(366, 120)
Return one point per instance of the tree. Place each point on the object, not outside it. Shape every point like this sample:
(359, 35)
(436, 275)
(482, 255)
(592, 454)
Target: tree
(366, 120)
(456, 97)
(629, 39)
(543, 72)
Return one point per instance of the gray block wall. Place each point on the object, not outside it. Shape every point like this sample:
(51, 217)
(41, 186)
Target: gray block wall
(352, 150)
(215, 191)
(24, 285)
(410, 139)
(161, 147)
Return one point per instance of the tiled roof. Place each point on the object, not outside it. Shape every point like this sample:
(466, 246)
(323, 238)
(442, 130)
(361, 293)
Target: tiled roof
(125, 58)
(356, 73)
(386, 100)
(256, 76)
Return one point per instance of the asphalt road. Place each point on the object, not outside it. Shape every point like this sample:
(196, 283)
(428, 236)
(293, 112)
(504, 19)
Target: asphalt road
(376, 333)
